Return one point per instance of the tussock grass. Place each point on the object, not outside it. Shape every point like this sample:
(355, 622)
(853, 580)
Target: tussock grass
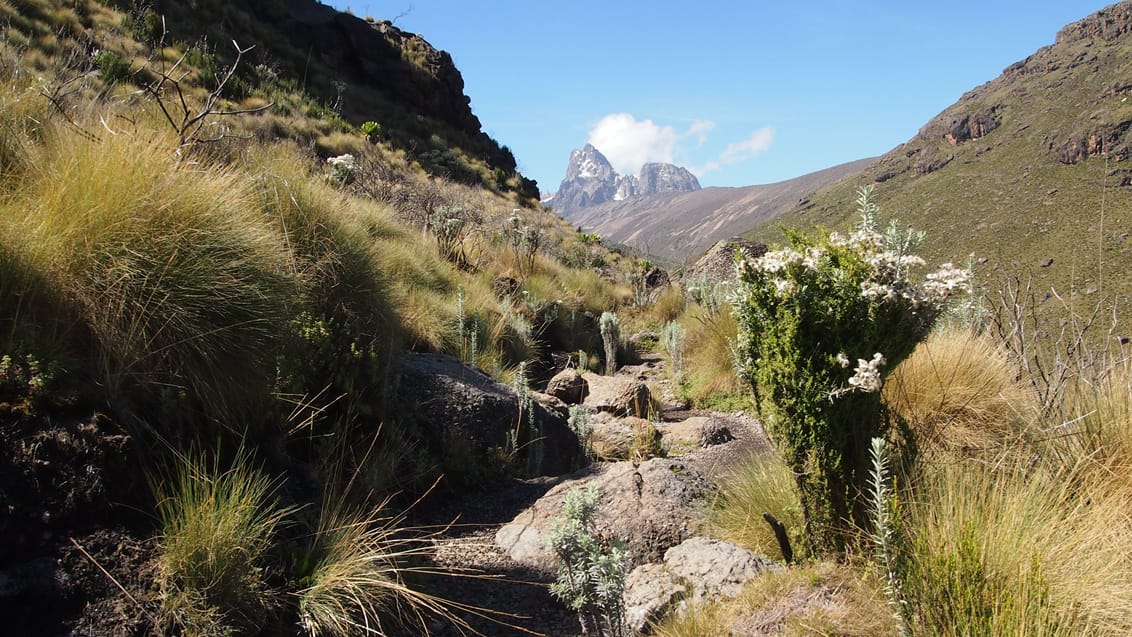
(711, 379)
(357, 583)
(960, 392)
(761, 484)
(1009, 549)
(172, 275)
(218, 526)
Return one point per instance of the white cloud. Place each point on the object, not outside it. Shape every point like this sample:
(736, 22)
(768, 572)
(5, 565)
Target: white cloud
(699, 129)
(628, 143)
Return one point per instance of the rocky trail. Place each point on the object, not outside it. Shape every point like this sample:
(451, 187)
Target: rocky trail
(496, 551)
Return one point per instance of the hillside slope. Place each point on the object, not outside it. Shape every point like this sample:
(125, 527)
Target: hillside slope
(675, 227)
(1029, 171)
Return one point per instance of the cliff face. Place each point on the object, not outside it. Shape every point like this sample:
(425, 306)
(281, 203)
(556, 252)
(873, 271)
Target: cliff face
(591, 181)
(366, 70)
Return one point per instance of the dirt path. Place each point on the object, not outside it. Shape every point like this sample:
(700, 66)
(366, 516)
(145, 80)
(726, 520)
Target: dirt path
(488, 579)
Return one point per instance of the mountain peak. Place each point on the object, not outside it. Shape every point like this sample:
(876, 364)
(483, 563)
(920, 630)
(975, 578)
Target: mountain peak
(591, 180)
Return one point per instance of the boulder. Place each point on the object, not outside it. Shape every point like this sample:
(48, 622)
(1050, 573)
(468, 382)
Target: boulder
(618, 396)
(696, 571)
(613, 438)
(568, 386)
(649, 508)
(466, 413)
(693, 433)
(651, 593)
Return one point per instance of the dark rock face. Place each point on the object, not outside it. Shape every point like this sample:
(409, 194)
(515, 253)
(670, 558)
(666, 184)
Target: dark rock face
(965, 126)
(591, 180)
(461, 407)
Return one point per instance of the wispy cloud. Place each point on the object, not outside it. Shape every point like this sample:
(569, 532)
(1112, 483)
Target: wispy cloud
(628, 143)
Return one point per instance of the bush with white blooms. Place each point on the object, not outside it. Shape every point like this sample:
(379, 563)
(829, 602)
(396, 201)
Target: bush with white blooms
(806, 312)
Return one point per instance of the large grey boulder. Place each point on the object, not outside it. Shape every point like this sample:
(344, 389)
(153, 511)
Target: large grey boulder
(618, 395)
(467, 414)
(696, 571)
(648, 508)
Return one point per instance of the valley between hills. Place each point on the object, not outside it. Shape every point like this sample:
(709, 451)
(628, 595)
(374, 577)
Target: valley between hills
(290, 346)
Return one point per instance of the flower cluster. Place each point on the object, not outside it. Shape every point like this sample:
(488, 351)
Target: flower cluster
(343, 169)
(947, 281)
(867, 376)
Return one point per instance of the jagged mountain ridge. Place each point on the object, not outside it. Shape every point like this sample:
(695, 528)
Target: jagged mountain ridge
(1029, 171)
(591, 180)
(677, 226)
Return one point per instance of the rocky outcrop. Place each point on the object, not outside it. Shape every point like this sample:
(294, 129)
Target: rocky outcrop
(649, 508)
(460, 407)
(591, 180)
(657, 178)
(718, 263)
(962, 126)
(696, 571)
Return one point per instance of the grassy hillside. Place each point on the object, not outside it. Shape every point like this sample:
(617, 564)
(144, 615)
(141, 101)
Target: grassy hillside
(1028, 168)
(201, 317)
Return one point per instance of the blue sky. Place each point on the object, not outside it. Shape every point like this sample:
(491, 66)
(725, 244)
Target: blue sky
(741, 93)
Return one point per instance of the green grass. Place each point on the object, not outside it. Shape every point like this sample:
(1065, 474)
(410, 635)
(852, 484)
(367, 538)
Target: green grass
(218, 527)
(760, 484)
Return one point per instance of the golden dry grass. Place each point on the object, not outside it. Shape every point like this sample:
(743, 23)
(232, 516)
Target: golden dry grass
(959, 391)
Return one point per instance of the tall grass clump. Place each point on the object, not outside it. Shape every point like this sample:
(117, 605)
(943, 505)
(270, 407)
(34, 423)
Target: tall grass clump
(711, 380)
(356, 582)
(804, 313)
(760, 484)
(1017, 550)
(960, 392)
(174, 281)
(218, 527)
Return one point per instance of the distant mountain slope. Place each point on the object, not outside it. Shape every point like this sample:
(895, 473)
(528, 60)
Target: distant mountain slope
(678, 226)
(1028, 168)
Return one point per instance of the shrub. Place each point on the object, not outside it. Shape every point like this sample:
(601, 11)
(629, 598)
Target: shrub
(802, 312)
(591, 576)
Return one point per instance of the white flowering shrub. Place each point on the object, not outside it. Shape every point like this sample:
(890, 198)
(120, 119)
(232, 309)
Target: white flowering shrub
(343, 169)
(805, 313)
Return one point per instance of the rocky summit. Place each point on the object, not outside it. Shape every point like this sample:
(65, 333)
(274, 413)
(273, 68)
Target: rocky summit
(591, 181)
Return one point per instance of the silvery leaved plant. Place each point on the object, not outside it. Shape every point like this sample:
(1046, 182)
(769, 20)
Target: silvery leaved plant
(806, 311)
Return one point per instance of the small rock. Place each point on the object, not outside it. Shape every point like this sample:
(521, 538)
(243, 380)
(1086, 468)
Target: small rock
(1047, 262)
(696, 571)
(568, 386)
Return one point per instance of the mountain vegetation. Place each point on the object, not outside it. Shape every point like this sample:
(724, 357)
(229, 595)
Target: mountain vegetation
(266, 290)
